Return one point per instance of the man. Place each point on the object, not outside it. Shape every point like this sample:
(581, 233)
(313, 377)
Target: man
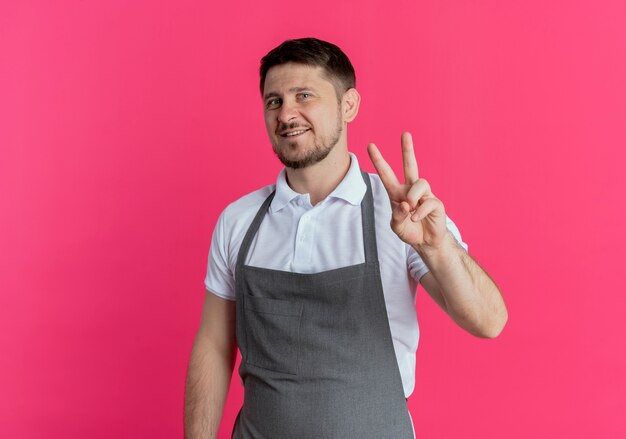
(312, 284)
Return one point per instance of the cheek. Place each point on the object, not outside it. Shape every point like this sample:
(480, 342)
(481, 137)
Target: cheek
(324, 118)
(316, 117)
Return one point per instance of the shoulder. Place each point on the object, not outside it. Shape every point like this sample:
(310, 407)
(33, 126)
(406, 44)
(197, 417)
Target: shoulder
(233, 223)
(228, 234)
(240, 212)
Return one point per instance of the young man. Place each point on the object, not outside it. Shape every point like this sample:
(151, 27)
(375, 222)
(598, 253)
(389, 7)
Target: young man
(314, 277)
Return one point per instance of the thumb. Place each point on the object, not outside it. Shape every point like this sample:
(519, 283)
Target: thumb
(400, 213)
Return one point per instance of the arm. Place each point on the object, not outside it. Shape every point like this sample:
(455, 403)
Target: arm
(210, 368)
(456, 282)
(463, 289)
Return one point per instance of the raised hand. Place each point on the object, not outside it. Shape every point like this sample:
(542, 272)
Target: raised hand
(418, 217)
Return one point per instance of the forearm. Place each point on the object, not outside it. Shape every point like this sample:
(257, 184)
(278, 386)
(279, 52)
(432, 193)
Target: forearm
(472, 298)
(208, 381)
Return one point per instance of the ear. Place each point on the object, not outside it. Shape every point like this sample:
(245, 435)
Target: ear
(350, 104)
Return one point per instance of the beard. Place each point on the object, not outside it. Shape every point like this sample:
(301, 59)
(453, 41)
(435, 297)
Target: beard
(321, 148)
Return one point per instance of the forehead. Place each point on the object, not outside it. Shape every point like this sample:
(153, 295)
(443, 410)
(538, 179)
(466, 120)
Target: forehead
(285, 76)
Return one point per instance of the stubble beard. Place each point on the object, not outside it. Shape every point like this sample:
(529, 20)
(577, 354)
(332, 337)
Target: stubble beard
(318, 153)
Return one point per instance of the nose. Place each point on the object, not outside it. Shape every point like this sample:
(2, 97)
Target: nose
(288, 111)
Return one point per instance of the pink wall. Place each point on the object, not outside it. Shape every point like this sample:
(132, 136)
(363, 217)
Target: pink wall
(126, 127)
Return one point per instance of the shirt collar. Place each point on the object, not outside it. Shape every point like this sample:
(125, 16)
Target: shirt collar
(351, 189)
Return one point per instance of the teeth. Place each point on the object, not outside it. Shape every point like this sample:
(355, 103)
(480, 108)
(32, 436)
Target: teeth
(295, 133)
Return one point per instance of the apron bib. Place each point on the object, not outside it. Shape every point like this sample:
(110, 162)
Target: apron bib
(317, 355)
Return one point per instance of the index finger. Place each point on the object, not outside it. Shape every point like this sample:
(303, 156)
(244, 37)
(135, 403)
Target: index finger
(385, 172)
(411, 174)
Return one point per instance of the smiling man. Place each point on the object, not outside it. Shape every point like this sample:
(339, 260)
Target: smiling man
(310, 100)
(313, 278)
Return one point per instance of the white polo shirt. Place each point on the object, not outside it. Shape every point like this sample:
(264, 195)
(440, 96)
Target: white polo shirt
(298, 237)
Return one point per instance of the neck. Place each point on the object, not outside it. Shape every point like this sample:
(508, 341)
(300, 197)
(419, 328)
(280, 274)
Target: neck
(320, 179)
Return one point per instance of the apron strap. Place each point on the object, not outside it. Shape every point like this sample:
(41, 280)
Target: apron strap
(368, 219)
(256, 222)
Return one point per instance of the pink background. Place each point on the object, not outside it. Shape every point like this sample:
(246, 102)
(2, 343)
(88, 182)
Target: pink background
(126, 127)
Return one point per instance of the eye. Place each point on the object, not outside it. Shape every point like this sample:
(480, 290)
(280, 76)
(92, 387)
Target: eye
(273, 103)
(305, 95)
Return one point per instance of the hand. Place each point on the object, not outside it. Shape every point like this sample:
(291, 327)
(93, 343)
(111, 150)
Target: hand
(418, 217)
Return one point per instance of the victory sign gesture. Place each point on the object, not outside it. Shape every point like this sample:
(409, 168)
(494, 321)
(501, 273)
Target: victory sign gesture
(418, 217)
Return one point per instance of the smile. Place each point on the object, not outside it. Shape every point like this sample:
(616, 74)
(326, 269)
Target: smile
(294, 133)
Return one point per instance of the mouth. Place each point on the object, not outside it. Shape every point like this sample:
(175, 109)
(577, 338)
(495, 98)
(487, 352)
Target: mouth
(293, 133)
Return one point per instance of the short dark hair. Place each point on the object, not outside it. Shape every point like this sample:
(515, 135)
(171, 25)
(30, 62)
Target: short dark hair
(312, 52)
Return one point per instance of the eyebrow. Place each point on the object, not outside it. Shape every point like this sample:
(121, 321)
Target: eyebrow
(273, 94)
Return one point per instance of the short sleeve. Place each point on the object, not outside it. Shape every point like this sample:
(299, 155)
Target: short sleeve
(219, 278)
(416, 265)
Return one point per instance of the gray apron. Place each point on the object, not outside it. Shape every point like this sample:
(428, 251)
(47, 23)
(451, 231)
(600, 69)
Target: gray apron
(317, 355)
